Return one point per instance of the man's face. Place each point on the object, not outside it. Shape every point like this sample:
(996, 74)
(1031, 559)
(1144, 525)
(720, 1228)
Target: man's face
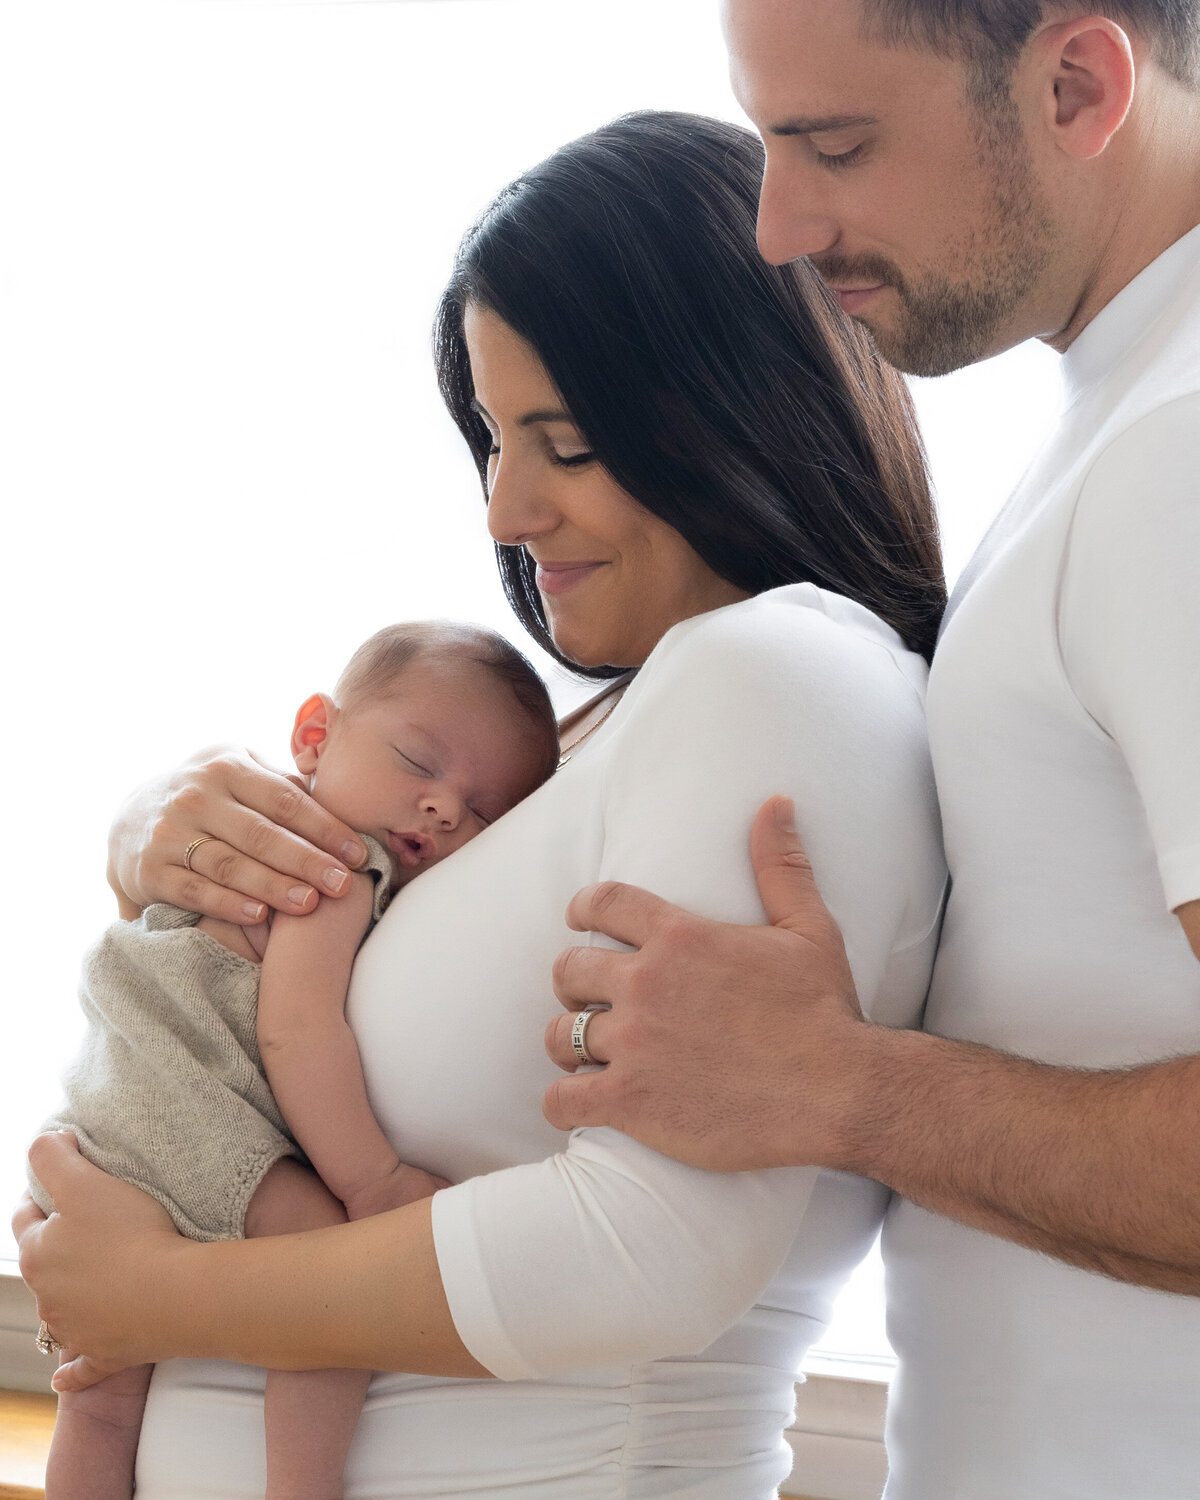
(921, 210)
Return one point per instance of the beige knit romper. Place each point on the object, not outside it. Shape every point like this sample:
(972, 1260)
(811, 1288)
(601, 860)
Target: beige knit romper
(168, 1090)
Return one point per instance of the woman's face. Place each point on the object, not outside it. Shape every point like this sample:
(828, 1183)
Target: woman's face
(612, 576)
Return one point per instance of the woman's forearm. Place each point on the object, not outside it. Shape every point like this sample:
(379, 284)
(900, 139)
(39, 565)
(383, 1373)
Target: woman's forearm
(367, 1294)
(117, 1283)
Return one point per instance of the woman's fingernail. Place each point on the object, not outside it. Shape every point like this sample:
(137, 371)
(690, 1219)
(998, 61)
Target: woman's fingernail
(299, 895)
(353, 853)
(785, 815)
(334, 880)
(254, 911)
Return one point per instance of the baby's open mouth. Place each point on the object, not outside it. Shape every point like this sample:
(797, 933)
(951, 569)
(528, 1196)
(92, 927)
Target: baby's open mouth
(412, 848)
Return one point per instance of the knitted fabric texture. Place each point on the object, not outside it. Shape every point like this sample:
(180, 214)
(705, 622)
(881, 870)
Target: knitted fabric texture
(167, 1091)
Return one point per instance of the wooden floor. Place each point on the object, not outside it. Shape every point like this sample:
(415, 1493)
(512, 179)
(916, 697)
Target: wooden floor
(26, 1422)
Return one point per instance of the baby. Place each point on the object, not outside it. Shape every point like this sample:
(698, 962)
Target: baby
(218, 1057)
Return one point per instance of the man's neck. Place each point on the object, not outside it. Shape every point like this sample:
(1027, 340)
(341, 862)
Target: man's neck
(1159, 202)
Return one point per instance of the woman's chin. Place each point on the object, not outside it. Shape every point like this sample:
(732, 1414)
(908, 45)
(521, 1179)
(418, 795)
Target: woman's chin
(591, 654)
(583, 648)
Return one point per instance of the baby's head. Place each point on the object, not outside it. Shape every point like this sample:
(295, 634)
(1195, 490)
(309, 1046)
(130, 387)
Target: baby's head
(432, 732)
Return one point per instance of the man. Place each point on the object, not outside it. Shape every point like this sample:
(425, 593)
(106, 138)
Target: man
(968, 174)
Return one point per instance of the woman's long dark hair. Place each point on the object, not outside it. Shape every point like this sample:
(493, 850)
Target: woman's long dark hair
(729, 397)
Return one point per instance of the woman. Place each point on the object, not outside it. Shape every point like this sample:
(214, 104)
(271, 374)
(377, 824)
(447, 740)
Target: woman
(698, 471)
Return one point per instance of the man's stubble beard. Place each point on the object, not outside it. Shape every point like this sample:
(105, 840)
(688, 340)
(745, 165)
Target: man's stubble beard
(947, 322)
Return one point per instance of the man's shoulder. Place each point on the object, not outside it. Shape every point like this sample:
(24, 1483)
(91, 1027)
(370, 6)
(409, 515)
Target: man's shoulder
(1142, 486)
(1156, 449)
(1159, 428)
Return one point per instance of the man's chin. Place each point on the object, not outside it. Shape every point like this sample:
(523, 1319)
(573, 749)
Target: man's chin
(926, 353)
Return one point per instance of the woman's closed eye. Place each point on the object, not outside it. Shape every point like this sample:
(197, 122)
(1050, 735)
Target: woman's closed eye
(560, 460)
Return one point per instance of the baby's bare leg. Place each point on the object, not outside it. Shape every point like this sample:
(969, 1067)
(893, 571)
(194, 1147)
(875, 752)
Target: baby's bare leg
(310, 1414)
(96, 1438)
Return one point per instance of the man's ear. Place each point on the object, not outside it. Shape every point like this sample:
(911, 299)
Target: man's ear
(1088, 64)
(310, 733)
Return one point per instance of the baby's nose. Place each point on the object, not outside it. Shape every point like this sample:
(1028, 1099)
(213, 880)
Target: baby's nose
(446, 807)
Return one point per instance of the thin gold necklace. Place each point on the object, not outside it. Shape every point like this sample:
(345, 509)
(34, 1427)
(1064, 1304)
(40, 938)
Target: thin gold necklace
(587, 733)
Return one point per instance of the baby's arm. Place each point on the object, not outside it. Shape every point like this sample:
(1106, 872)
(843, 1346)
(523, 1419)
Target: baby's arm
(311, 1058)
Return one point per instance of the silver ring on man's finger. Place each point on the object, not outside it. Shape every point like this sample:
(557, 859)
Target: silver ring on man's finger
(46, 1341)
(192, 847)
(579, 1030)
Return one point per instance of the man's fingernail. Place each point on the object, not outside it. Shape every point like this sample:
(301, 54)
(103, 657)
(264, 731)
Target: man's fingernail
(299, 895)
(334, 880)
(353, 853)
(254, 911)
(785, 815)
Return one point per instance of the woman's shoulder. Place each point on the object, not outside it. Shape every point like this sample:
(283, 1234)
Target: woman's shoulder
(800, 636)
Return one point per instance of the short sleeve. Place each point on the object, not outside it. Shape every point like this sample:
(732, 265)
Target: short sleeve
(1130, 623)
(609, 1252)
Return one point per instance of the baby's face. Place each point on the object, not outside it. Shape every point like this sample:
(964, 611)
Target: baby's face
(428, 768)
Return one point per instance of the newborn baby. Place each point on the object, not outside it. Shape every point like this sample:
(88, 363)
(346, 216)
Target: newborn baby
(218, 1064)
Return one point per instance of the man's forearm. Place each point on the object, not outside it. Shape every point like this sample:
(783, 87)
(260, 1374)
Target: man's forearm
(1097, 1168)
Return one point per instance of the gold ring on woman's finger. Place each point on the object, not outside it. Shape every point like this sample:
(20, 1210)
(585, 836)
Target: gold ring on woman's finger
(579, 1031)
(192, 847)
(46, 1341)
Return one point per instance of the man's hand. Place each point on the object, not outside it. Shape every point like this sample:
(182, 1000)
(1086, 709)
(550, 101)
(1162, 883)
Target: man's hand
(727, 1047)
(260, 841)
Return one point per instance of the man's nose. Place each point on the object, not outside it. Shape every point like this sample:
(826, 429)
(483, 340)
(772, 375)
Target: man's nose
(790, 221)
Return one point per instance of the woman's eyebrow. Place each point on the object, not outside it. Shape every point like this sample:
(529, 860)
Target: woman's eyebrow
(550, 414)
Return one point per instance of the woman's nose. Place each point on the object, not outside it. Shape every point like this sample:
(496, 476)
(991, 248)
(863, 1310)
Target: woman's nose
(517, 511)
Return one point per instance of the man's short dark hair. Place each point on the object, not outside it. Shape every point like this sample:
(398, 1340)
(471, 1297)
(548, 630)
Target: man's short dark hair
(989, 35)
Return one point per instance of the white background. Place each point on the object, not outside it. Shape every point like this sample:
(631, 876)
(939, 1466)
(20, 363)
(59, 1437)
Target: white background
(223, 460)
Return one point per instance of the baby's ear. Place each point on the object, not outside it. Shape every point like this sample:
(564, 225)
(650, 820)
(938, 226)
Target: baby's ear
(314, 720)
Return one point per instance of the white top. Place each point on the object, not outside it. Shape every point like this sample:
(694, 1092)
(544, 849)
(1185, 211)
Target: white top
(590, 1253)
(1064, 718)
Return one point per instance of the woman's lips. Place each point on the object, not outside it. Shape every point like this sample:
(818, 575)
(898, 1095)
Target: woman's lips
(557, 578)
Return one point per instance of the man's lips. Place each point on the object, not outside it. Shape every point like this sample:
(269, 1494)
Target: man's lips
(851, 298)
(558, 577)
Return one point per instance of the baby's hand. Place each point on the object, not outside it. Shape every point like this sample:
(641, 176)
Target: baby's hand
(401, 1185)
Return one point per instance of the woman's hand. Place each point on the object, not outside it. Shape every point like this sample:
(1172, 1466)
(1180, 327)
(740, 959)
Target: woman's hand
(117, 1286)
(265, 841)
(97, 1265)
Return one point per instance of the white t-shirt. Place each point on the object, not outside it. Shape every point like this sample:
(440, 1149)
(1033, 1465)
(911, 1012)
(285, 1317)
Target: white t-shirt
(1064, 720)
(685, 1298)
